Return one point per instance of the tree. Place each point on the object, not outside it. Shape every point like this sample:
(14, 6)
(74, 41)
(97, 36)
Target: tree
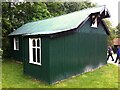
(59, 8)
(75, 6)
(56, 8)
(118, 31)
(112, 32)
(6, 27)
(15, 14)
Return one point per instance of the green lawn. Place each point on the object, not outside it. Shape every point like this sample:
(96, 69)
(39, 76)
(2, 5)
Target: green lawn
(104, 77)
(0, 68)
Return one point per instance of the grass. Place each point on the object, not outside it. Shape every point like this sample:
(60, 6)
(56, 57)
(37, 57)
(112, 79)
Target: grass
(104, 77)
(1, 68)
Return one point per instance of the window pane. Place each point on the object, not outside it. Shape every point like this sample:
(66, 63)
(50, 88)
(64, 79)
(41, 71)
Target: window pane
(17, 40)
(38, 42)
(38, 55)
(17, 45)
(34, 55)
(34, 43)
(94, 21)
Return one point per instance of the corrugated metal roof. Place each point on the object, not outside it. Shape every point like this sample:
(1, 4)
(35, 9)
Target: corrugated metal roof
(56, 24)
(116, 41)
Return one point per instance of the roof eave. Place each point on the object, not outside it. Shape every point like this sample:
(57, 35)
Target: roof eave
(106, 27)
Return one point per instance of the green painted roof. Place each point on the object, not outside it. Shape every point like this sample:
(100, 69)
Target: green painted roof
(57, 24)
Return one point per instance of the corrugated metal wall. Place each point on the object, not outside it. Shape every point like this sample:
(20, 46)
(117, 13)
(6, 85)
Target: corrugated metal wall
(16, 54)
(37, 71)
(77, 52)
(68, 55)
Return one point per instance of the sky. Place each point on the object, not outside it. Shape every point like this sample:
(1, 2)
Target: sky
(112, 6)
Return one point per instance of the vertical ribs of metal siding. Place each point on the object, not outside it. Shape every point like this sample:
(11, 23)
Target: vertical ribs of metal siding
(72, 54)
(36, 71)
(16, 54)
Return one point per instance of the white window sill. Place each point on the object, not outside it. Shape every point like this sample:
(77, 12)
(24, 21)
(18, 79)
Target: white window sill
(35, 63)
(16, 49)
(94, 27)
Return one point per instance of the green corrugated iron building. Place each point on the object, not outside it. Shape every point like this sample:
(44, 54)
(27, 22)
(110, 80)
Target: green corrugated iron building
(63, 46)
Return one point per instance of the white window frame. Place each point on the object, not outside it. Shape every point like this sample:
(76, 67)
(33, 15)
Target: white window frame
(31, 51)
(16, 43)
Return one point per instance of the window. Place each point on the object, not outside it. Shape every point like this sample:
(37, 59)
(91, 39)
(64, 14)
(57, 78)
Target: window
(35, 51)
(94, 22)
(16, 43)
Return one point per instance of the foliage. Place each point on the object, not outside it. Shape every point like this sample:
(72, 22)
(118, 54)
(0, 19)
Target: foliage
(56, 8)
(0, 31)
(112, 32)
(15, 15)
(6, 28)
(75, 6)
(118, 31)
(0, 38)
(104, 77)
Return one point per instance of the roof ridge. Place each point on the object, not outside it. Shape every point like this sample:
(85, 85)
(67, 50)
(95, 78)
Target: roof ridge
(66, 14)
(58, 24)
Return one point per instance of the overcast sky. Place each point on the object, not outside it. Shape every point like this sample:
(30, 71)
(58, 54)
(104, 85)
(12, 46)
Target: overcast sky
(112, 6)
